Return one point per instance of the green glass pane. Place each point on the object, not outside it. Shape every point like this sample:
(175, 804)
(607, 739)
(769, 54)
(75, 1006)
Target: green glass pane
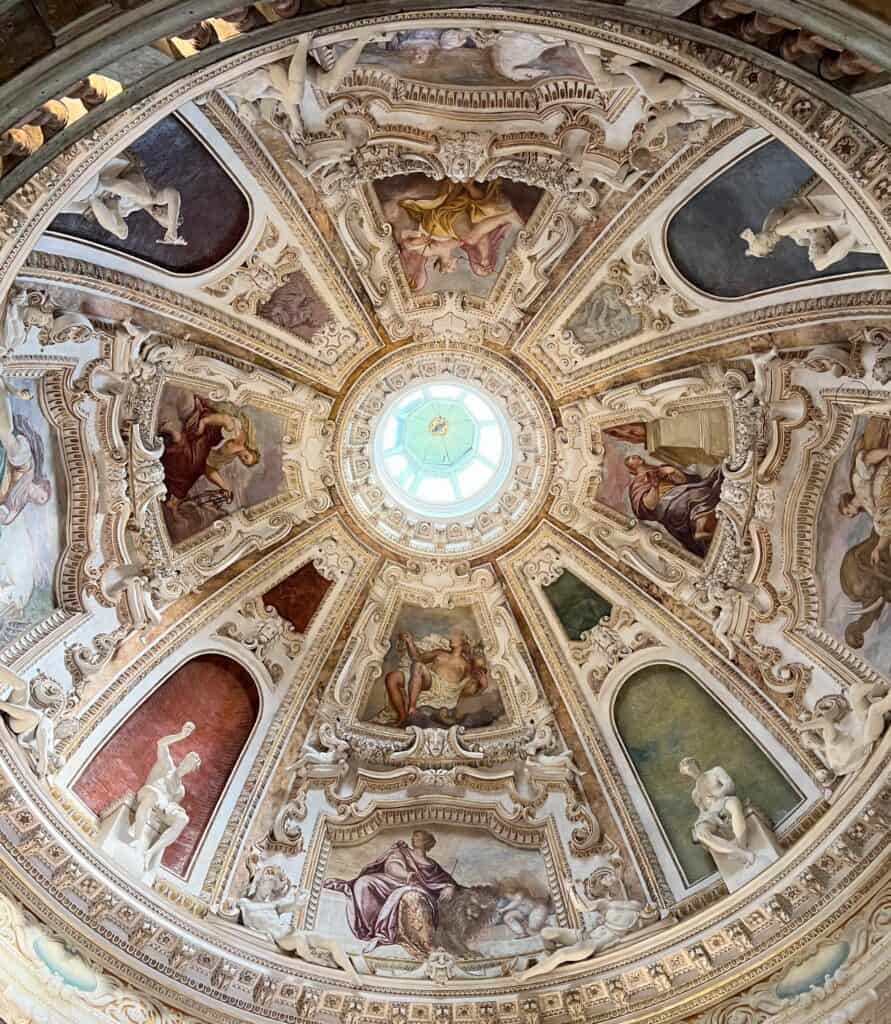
(438, 434)
(576, 605)
(662, 715)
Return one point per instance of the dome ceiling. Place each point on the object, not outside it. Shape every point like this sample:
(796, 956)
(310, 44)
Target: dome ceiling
(419, 439)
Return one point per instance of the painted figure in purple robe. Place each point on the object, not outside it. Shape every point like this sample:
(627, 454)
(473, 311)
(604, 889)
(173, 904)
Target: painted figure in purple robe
(684, 503)
(394, 900)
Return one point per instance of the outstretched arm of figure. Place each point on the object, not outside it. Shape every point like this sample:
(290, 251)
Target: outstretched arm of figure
(214, 477)
(817, 724)
(165, 742)
(424, 657)
(219, 419)
(807, 220)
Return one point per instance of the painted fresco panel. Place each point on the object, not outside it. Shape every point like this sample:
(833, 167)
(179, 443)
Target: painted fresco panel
(576, 605)
(814, 972)
(662, 715)
(458, 56)
(482, 907)
(220, 697)
(668, 471)
(33, 509)
(602, 319)
(443, 651)
(854, 535)
(295, 306)
(218, 458)
(454, 236)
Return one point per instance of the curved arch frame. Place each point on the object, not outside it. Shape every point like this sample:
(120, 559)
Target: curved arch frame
(605, 714)
(152, 684)
(861, 789)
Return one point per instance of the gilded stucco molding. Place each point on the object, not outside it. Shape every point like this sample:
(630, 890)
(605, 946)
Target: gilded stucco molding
(717, 946)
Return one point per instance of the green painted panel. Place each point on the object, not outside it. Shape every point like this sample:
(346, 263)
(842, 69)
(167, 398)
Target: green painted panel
(662, 715)
(576, 605)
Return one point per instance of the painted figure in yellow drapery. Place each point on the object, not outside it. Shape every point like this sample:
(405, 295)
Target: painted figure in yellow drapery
(470, 217)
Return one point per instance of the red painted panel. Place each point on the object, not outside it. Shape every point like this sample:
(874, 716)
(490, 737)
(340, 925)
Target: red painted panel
(220, 697)
(298, 597)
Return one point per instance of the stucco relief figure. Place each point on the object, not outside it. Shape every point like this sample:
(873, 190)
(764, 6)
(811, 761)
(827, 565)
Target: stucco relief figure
(159, 801)
(721, 824)
(684, 503)
(395, 899)
(539, 750)
(276, 908)
(512, 55)
(818, 222)
(844, 728)
(121, 189)
(674, 102)
(606, 921)
(32, 727)
(201, 438)
(297, 93)
(865, 572)
(330, 751)
(439, 672)
(22, 480)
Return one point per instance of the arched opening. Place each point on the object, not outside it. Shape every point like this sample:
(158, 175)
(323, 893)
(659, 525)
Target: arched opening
(662, 714)
(221, 698)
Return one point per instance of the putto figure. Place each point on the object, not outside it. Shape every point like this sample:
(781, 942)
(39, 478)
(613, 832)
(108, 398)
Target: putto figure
(276, 908)
(607, 921)
(848, 726)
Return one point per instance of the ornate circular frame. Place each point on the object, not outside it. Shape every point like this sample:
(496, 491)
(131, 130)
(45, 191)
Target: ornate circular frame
(516, 502)
(850, 836)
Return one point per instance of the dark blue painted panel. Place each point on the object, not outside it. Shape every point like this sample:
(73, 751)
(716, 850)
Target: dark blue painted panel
(703, 236)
